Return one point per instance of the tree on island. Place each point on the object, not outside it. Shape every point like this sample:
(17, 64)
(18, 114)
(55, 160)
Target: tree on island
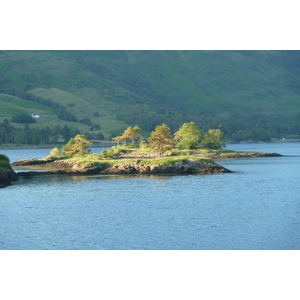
(118, 139)
(77, 145)
(213, 139)
(133, 133)
(188, 135)
(161, 139)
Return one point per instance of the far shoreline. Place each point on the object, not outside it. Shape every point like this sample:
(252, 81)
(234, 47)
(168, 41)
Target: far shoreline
(108, 145)
(42, 147)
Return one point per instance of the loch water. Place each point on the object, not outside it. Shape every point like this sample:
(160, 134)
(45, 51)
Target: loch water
(256, 207)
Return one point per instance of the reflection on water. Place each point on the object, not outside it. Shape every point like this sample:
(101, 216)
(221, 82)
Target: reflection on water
(67, 178)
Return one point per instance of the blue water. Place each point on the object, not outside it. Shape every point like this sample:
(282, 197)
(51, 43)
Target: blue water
(257, 207)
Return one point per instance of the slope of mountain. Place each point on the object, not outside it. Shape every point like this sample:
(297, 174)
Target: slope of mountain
(146, 88)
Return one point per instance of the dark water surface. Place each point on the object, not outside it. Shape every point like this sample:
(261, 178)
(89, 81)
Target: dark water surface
(257, 207)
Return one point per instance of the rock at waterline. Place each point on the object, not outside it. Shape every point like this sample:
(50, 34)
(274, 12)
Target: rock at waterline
(190, 166)
(7, 175)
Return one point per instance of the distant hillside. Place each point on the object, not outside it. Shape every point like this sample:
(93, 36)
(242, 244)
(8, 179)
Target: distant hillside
(238, 91)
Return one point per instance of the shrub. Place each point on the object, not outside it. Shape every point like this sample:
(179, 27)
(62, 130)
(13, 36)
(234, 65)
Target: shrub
(55, 151)
(82, 153)
(144, 144)
(104, 153)
(115, 150)
(4, 163)
(86, 121)
(4, 157)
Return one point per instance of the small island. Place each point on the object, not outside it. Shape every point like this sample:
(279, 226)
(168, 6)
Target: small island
(159, 154)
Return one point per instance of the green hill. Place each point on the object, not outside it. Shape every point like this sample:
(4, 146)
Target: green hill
(239, 91)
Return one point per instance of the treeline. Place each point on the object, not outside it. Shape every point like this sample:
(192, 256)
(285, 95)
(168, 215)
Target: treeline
(9, 134)
(147, 116)
(252, 128)
(188, 136)
(23, 119)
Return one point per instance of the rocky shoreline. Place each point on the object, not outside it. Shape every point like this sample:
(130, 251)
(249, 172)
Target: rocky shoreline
(39, 167)
(65, 166)
(7, 175)
(240, 155)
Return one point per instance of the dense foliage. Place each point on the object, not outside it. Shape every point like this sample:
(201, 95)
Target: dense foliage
(188, 135)
(36, 136)
(76, 145)
(132, 133)
(23, 119)
(4, 163)
(4, 157)
(161, 139)
(213, 139)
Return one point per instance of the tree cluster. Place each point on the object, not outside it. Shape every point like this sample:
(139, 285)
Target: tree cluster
(187, 137)
(251, 128)
(149, 116)
(76, 145)
(34, 136)
(23, 119)
(9, 134)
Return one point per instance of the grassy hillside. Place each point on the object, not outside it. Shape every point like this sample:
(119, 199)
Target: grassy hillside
(11, 105)
(146, 88)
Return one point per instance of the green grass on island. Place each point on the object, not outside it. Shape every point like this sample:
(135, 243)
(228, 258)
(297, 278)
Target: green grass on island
(96, 159)
(171, 157)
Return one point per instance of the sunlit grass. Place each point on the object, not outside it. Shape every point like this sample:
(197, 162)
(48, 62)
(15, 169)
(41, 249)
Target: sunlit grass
(82, 108)
(11, 105)
(96, 159)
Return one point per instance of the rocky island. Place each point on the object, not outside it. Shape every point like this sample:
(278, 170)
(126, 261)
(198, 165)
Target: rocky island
(170, 165)
(163, 158)
(93, 164)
